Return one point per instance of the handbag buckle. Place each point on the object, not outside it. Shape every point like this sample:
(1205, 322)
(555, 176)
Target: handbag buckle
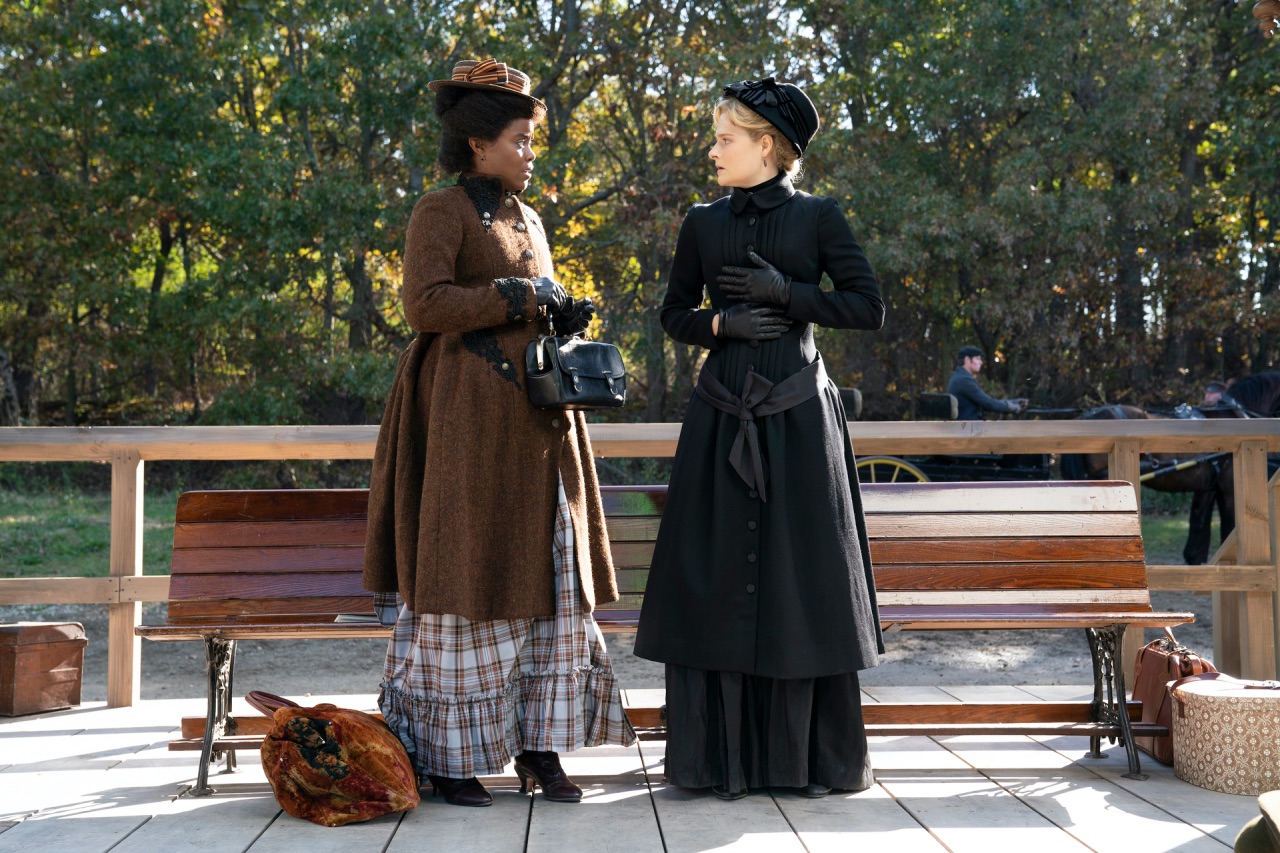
(608, 377)
(573, 371)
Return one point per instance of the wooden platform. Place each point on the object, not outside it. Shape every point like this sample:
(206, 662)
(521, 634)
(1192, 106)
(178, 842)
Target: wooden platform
(98, 779)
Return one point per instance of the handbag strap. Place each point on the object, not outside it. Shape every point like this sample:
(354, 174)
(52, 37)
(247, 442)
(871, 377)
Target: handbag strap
(268, 703)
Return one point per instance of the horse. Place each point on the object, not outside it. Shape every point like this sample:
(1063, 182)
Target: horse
(1211, 482)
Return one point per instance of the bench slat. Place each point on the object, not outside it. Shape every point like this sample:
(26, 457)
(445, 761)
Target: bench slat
(278, 609)
(893, 525)
(1012, 575)
(1006, 525)
(269, 534)
(1066, 496)
(958, 551)
(995, 598)
(267, 560)
(301, 585)
(273, 504)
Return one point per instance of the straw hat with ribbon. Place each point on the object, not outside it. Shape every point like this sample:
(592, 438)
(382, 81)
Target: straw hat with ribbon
(488, 75)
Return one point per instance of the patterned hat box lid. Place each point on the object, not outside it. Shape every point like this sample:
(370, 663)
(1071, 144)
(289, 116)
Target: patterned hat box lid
(1227, 734)
(41, 666)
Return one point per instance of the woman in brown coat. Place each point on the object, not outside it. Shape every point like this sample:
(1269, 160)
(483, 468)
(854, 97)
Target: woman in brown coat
(486, 541)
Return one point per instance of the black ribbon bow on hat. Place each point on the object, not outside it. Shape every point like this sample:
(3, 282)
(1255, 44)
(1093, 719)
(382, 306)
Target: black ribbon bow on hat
(764, 96)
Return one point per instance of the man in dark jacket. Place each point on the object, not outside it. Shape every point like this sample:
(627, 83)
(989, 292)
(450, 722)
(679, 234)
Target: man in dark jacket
(969, 394)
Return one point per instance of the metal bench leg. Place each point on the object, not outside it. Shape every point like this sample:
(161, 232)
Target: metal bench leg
(219, 655)
(1110, 702)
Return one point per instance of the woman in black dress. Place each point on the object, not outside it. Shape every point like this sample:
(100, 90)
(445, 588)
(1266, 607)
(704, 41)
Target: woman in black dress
(761, 599)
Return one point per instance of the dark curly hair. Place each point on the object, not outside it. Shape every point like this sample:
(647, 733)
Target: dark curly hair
(474, 113)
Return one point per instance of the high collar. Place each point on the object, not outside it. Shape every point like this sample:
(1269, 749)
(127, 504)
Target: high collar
(770, 194)
(485, 192)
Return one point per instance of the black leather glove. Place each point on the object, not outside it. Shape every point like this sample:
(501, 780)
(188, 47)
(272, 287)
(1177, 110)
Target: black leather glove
(746, 322)
(575, 317)
(763, 283)
(550, 293)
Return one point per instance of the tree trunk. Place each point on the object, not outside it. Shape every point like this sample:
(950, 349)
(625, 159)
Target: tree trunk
(360, 328)
(153, 301)
(1130, 302)
(25, 348)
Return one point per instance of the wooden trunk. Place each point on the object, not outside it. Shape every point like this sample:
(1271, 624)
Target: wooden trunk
(41, 665)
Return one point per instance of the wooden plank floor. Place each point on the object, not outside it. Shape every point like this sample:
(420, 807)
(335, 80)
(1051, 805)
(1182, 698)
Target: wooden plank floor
(96, 779)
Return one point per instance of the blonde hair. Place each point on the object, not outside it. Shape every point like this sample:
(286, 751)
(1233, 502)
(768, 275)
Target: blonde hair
(789, 160)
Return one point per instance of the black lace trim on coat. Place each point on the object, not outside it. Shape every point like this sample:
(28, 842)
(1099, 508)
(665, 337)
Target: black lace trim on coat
(484, 343)
(513, 290)
(485, 193)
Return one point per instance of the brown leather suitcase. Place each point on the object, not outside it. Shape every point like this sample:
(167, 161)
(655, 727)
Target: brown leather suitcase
(1160, 662)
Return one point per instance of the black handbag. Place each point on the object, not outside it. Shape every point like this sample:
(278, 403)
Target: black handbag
(570, 373)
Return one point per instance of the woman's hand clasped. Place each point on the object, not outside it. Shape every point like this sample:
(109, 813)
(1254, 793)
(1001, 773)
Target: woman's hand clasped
(746, 322)
(763, 284)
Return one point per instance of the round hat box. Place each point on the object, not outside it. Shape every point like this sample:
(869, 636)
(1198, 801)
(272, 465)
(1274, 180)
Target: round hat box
(1226, 734)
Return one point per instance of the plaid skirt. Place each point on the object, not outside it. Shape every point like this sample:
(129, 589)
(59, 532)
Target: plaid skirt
(465, 696)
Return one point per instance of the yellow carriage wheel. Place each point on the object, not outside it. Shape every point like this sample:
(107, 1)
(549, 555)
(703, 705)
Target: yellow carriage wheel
(888, 469)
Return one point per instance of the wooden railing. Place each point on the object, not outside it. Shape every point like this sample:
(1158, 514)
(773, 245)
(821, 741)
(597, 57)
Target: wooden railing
(1244, 575)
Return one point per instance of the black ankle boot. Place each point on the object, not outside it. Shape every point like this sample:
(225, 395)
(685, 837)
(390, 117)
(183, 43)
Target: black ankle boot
(460, 792)
(543, 769)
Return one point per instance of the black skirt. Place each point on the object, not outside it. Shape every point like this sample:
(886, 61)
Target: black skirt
(736, 731)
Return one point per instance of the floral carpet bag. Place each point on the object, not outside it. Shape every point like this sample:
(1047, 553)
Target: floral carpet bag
(333, 766)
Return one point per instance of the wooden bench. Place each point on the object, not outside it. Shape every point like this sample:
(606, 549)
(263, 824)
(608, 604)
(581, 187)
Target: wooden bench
(285, 564)
(974, 556)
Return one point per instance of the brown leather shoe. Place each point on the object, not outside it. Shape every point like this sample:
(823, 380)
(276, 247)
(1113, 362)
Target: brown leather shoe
(460, 792)
(543, 769)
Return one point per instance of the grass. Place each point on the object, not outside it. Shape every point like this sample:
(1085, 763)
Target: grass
(67, 533)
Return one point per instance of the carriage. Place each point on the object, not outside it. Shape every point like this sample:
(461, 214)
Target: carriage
(1208, 477)
(982, 467)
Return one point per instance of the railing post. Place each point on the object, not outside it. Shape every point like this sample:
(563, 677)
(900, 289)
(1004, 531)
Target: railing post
(124, 648)
(1253, 548)
(1125, 463)
(1273, 495)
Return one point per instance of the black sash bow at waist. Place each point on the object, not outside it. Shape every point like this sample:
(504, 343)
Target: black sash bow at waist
(760, 398)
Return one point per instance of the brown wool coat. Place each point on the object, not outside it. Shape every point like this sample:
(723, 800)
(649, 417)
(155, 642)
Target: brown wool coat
(463, 495)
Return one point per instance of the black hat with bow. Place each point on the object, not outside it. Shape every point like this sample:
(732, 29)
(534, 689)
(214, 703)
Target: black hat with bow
(783, 105)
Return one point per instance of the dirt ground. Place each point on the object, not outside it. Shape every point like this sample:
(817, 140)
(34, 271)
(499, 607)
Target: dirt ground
(296, 668)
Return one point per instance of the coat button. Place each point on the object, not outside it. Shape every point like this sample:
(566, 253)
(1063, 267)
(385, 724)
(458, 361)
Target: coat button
(751, 588)
(527, 254)
(509, 201)
(751, 221)
(520, 226)
(555, 422)
(505, 366)
(751, 525)
(751, 558)
(519, 317)
(754, 493)
(755, 344)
